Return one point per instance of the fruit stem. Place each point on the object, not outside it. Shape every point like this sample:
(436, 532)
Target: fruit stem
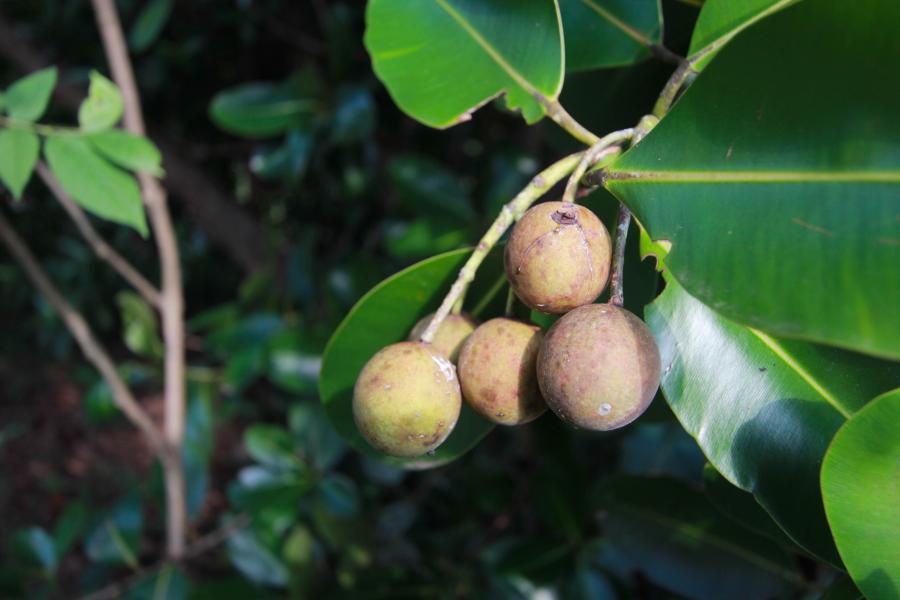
(510, 213)
(606, 146)
(616, 291)
(510, 302)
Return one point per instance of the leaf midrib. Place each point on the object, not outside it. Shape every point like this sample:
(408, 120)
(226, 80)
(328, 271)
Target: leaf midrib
(750, 176)
(616, 22)
(492, 52)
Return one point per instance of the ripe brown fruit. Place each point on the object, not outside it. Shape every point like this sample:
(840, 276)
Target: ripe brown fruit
(406, 399)
(598, 367)
(450, 335)
(497, 371)
(558, 257)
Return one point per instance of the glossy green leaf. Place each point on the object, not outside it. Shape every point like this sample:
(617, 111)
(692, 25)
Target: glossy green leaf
(609, 33)
(720, 20)
(861, 489)
(94, 183)
(386, 315)
(27, 98)
(149, 24)
(19, 150)
(742, 507)
(441, 60)
(779, 203)
(132, 152)
(103, 107)
(670, 532)
(260, 109)
(762, 409)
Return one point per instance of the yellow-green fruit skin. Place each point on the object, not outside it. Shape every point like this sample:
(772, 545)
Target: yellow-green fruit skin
(558, 257)
(450, 335)
(406, 400)
(497, 371)
(598, 367)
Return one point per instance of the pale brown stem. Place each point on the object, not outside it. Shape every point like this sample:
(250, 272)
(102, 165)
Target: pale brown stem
(603, 148)
(93, 350)
(172, 294)
(616, 289)
(103, 250)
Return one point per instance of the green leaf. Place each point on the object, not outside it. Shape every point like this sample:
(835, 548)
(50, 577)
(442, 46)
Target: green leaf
(115, 538)
(19, 150)
(385, 315)
(132, 152)
(444, 59)
(776, 220)
(742, 507)
(271, 446)
(37, 546)
(720, 20)
(149, 24)
(261, 109)
(762, 409)
(256, 562)
(169, 583)
(94, 183)
(668, 531)
(317, 441)
(69, 526)
(861, 488)
(609, 33)
(103, 107)
(339, 495)
(140, 328)
(27, 98)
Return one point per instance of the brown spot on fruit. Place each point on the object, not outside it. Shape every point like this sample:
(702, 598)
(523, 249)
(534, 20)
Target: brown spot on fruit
(611, 367)
(497, 371)
(558, 257)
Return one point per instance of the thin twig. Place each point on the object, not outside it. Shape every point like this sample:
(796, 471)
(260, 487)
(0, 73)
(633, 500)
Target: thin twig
(561, 117)
(603, 148)
(510, 303)
(203, 545)
(542, 182)
(172, 305)
(616, 291)
(664, 54)
(103, 250)
(81, 331)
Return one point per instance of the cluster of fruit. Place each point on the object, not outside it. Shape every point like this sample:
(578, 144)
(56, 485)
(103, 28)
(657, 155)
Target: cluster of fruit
(597, 367)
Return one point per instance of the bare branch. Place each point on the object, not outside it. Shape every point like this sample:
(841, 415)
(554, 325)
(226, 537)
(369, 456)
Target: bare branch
(172, 304)
(81, 331)
(103, 250)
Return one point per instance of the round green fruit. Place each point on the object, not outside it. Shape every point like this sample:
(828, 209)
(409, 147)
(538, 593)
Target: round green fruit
(497, 371)
(598, 367)
(558, 257)
(406, 399)
(450, 335)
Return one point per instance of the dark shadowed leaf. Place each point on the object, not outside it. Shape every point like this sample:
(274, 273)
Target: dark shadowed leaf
(609, 33)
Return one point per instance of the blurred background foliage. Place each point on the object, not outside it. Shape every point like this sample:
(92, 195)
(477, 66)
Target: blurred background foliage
(297, 185)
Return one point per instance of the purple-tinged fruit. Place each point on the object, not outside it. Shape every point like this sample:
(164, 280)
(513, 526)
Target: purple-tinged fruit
(558, 257)
(598, 367)
(497, 371)
(406, 399)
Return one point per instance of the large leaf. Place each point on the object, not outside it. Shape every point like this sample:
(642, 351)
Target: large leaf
(442, 59)
(780, 198)
(27, 98)
(720, 20)
(386, 315)
(19, 150)
(94, 183)
(763, 410)
(670, 532)
(861, 488)
(609, 33)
